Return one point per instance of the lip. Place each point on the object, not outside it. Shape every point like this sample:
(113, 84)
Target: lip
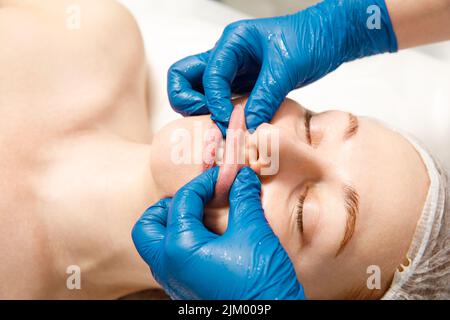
(212, 141)
(231, 163)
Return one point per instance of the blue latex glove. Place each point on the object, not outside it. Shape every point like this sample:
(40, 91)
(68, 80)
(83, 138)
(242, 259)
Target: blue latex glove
(270, 57)
(190, 262)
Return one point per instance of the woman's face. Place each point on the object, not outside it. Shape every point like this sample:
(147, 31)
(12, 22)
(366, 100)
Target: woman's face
(344, 201)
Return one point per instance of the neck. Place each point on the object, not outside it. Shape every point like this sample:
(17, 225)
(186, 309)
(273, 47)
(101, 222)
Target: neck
(130, 272)
(109, 262)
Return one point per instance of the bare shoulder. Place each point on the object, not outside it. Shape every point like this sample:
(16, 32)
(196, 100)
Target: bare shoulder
(92, 16)
(56, 50)
(83, 27)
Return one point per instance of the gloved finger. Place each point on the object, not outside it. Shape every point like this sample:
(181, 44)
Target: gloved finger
(185, 87)
(223, 65)
(245, 79)
(245, 201)
(185, 220)
(266, 97)
(149, 232)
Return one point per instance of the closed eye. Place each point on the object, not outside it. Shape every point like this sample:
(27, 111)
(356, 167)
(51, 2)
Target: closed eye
(352, 128)
(299, 209)
(308, 117)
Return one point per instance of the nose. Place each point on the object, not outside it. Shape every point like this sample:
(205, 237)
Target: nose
(276, 150)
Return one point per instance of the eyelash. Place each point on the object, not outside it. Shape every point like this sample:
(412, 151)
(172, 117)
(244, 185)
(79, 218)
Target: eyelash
(302, 198)
(308, 117)
(299, 209)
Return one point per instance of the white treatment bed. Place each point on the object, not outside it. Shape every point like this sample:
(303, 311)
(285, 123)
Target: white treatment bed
(409, 90)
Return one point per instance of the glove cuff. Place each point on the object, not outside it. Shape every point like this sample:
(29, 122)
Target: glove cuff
(369, 28)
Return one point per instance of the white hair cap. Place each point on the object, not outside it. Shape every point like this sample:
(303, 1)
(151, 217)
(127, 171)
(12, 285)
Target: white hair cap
(427, 276)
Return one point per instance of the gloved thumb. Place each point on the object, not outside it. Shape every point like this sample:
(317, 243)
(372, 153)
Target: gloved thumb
(186, 230)
(245, 201)
(184, 85)
(149, 233)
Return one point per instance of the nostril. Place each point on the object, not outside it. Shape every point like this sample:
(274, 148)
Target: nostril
(256, 166)
(252, 149)
(263, 150)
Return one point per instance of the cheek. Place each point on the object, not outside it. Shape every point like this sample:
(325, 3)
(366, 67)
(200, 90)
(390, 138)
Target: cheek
(276, 211)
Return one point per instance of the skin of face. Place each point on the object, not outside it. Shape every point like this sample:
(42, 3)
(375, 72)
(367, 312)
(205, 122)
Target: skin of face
(379, 164)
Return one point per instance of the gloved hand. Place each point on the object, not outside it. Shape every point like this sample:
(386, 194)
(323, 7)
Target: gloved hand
(190, 262)
(272, 56)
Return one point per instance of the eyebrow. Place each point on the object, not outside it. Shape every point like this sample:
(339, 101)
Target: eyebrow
(352, 128)
(351, 200)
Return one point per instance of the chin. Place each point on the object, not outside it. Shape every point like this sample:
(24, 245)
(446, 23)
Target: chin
(177, 153)
(186, 134)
